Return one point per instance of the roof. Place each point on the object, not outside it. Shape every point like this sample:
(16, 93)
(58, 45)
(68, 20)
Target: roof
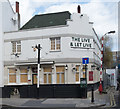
(46, 20)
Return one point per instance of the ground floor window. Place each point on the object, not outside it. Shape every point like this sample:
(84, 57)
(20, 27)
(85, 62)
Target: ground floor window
(83, 71)
(12, 75)
(34, 78)
(23, 75)
(47, 75)
(77, 74)
(60, 71)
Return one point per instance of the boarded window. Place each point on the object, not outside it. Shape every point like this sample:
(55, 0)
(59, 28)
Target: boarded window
(34, 79)
(23, 75)
(45, 78)
(47, 75)
(24, 78)
(58, 78)
(60, 70)
(12, 75)
(12, 78)
(77, 77)
(62, 78)
(49, 78)
(77, 74)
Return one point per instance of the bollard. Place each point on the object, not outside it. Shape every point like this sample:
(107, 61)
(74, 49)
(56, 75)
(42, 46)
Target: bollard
(92, 95)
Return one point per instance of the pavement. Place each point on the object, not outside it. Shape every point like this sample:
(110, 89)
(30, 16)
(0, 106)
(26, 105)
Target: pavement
(99, 101)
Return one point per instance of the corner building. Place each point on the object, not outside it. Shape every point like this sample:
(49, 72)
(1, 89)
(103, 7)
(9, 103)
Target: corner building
(65, 39)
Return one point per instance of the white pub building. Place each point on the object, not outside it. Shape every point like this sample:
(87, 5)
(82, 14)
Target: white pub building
(65, 39)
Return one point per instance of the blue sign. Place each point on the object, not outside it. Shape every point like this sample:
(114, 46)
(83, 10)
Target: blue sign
(85, 60)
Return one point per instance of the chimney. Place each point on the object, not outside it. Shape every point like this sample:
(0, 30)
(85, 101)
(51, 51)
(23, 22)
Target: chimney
(78, 9)
(17, 7)
(17, 11)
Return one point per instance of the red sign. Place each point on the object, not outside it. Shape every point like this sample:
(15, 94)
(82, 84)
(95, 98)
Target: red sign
(90, 75)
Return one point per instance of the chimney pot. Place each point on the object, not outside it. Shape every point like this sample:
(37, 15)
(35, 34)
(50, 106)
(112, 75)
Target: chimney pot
(17, 7)
(78, 9)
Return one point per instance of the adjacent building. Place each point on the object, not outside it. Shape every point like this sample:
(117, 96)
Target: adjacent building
(8, 22)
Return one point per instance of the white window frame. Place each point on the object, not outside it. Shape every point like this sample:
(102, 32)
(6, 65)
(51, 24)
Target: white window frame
(55, 38)
(47, 73)
(20, 77)
(18, 43)
(78, 82)
(12, 74)
(60, 77)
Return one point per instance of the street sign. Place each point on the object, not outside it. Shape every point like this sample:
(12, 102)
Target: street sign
(85, 60)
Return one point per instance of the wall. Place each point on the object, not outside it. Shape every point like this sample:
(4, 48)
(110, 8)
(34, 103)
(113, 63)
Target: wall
(78, 26)
(6, 24)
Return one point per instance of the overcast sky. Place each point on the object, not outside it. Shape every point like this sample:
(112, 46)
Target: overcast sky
(104, 13)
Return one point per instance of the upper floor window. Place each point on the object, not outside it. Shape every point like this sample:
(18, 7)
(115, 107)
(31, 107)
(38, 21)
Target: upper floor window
(16, 47)
(55, 43)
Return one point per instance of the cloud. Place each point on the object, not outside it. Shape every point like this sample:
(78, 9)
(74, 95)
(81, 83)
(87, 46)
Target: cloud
(103, 14)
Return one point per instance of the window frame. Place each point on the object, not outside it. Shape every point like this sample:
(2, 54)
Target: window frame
(23, 74)
(79, 72)
(60, 77)
(12, 74)
(56, 41)
(47, 77)
(17, 43)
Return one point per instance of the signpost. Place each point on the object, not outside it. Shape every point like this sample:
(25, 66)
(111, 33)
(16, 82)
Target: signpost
(83, 80)
(85, 60)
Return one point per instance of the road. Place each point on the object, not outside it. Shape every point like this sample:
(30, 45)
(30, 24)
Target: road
(116, 105)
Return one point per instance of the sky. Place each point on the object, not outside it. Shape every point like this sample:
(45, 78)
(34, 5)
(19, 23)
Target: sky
(103, 13)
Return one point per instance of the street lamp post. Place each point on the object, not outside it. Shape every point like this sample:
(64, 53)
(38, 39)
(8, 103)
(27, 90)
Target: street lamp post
(102, 60)
(38, 75)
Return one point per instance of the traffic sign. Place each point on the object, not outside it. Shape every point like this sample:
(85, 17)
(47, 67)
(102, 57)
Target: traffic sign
(85, 60)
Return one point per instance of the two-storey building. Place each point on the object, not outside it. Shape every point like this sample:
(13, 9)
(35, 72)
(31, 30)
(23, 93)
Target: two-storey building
(65, 40)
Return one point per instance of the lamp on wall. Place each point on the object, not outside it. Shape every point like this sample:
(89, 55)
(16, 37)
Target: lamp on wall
(66, 67)
(52, 67)
(16, 54)
(93, 67)
(74, 69)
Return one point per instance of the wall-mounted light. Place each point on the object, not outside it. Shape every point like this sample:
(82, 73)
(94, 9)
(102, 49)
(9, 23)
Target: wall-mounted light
(52, 67)
(28, 68)
(66, 67)
(98, 68)
(74, 69)
(16, 54)
(40, 69)
(93, 67)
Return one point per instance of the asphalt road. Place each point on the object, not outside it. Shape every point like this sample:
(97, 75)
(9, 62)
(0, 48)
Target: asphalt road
(116, 106)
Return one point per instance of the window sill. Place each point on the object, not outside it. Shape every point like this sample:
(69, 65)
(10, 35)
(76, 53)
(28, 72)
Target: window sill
(55, 50)
(77, 82)
(15, 53)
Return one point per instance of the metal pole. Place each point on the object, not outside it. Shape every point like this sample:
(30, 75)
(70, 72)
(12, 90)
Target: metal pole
(86, 80)
(92, 95)
(38, 76)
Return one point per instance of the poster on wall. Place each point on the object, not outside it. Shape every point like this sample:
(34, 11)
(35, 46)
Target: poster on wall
(90, 75)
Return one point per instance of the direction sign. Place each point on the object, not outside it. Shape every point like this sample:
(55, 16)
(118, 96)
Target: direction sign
(85, 60)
